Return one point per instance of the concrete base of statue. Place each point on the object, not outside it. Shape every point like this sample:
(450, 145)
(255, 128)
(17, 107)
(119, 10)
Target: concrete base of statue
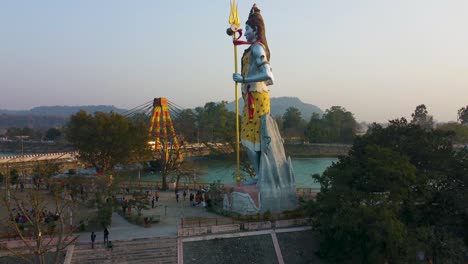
(241, 199)
(275, 190)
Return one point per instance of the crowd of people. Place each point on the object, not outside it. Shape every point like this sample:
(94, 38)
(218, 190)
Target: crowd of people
(200, 198)
(45, 216)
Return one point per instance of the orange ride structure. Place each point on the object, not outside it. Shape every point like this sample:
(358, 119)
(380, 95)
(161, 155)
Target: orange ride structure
(160, 123)
(161, 133)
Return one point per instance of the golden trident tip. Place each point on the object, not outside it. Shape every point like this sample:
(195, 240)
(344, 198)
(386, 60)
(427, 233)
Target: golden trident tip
(234, 16)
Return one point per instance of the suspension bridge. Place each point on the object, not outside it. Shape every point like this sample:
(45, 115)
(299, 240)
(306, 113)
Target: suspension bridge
(163, 139)
(34, 158)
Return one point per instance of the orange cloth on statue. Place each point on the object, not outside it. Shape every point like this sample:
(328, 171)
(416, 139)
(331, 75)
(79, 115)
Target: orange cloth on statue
(250, 127)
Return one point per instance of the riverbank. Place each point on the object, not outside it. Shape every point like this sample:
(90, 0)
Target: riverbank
(293, 150)
(316, 150)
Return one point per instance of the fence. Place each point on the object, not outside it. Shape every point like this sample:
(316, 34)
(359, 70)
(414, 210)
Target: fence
(206, 226)
(156, 185)
(307, 193)
(215, 221)
(304, 193)
(202, 221)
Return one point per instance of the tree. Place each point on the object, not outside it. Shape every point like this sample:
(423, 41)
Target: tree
(42, 172)
(185, 125)
(463, 115)
(53, 134)
(401, 190)
(362, 218)
(336, 125)
(460, 130)
(293, 124)
(215, 123)
(14, 177)
(168, 165)
(140, 152)
(140, 201)
(185, 171)
(341, 124)
(105, 139)
(421, 117)
(23, 133)
(315, 129)
(49, 233)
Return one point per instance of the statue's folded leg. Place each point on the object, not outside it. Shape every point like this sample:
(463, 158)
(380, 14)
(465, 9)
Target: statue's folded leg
(254, 157)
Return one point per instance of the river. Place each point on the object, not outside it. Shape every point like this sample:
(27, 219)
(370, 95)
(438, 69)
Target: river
(209, 171)
(5, 154)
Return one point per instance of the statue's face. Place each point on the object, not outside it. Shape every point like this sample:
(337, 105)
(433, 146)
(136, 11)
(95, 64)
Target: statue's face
(250, 34)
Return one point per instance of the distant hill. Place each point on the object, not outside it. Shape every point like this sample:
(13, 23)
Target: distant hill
(278, 106)
(57, 116)
(62, 110)
(48, 116)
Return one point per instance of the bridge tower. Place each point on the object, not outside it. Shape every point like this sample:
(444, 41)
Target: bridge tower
(161, 120)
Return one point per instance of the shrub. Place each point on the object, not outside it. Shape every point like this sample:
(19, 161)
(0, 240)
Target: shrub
(105, 215)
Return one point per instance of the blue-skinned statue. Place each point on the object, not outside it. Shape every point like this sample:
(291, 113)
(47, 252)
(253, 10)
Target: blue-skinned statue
(274, 183)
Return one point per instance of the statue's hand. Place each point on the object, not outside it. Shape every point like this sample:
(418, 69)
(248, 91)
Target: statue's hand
(237, 77)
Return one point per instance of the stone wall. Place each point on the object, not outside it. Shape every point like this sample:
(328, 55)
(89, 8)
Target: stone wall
(249, 226)
(317, 150)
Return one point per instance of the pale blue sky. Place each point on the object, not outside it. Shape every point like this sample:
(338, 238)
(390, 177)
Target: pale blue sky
(379, 59)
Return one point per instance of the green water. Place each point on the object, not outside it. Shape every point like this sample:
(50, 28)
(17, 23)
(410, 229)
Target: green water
(6, 154)
(208, 171)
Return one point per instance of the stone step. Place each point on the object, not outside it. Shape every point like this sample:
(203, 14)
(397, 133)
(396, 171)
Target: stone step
(117, 244)
(133, 248)
(167, 250)
(168, 260)
(133, 241)
(147, 250)
(124, 254)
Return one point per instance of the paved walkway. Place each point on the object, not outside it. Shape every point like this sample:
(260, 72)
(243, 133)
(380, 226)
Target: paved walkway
(121, 229)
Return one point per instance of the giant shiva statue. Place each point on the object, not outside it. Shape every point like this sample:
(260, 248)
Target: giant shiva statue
(274, 180)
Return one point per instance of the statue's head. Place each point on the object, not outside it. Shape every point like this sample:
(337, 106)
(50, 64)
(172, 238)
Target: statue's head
(255, 28)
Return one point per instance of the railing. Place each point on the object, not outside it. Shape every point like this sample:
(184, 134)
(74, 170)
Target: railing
(37, 157)
(210, 221)
(202, 221)
(306, 193)
(229, 227)
(156, 185)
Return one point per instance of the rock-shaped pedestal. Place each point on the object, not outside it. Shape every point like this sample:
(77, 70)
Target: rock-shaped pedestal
(275, 190)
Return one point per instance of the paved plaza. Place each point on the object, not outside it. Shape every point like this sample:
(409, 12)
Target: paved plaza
(161, 243)
(170, 212)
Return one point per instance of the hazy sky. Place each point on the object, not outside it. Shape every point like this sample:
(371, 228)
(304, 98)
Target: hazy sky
(378, 59)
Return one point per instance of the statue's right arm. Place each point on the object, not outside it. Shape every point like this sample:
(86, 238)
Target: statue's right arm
(264, 73)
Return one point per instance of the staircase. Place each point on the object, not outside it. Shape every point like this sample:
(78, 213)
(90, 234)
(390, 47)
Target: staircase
(162, 250)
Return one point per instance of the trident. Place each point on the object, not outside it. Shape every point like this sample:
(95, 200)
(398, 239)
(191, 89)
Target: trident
(232, 31)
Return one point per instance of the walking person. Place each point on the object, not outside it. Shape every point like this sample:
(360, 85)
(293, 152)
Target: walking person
(177, 197)
(152, 202)
(185, 193)
(106, 236)
(93, 238)
(157, 196)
